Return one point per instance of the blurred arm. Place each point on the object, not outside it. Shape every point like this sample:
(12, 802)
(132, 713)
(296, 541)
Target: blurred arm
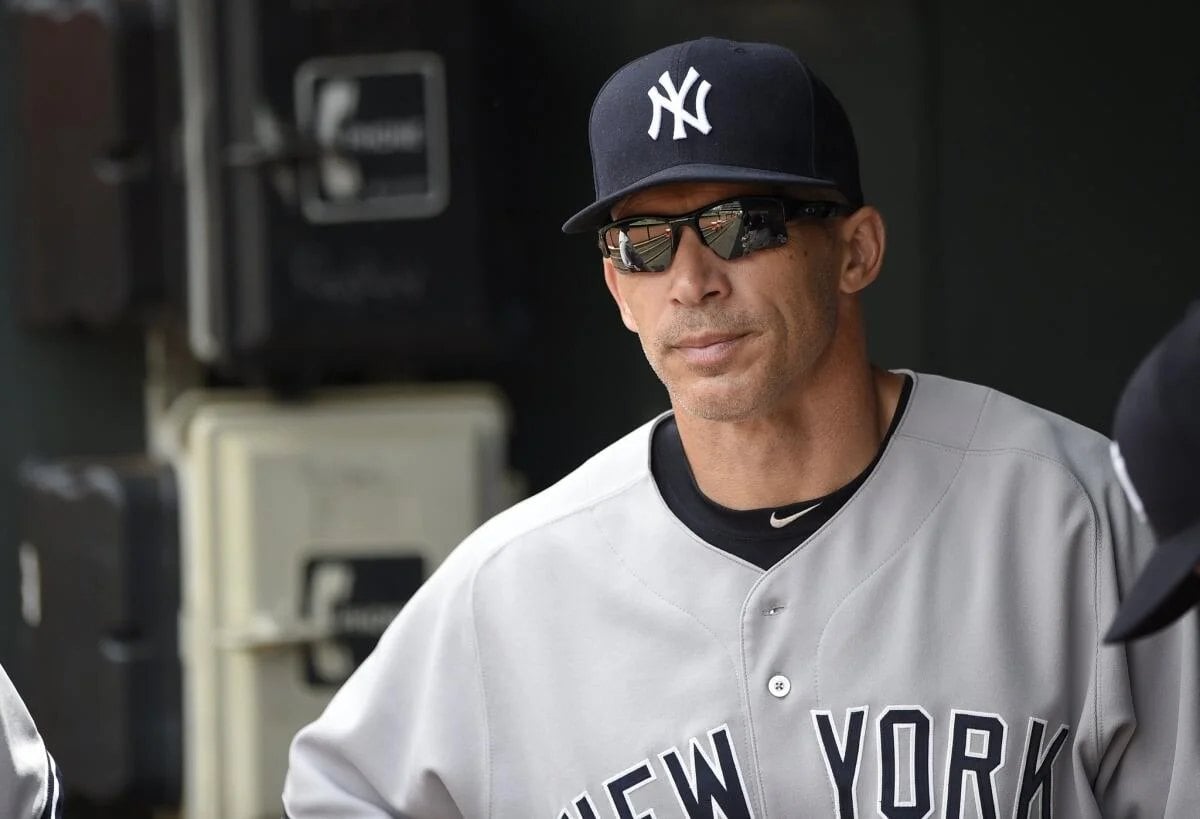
(30, 785)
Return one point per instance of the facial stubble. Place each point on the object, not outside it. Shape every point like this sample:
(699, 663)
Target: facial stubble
(758, 385)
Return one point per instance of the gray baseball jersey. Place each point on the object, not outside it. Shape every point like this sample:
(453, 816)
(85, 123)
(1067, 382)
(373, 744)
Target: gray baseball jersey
(29, 781)
(935, 649)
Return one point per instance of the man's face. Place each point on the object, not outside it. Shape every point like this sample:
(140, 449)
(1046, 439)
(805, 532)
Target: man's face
(730, 339)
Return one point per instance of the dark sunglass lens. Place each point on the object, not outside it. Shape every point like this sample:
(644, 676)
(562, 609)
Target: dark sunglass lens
(730, 229)
(720, 227)
(764, 225)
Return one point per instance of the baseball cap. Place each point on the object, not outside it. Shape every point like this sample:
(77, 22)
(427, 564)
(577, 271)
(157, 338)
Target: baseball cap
(1156, 452)
(714, 110)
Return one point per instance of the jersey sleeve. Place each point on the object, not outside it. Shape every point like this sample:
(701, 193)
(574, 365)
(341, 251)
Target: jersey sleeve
(1146, 721)
(30, 785)
(406, 735)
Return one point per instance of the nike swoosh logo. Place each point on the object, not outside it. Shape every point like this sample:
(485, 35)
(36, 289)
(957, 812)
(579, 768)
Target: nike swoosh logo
(779, 523)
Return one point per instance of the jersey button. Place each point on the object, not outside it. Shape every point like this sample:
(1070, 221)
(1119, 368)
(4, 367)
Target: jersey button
(779, 686)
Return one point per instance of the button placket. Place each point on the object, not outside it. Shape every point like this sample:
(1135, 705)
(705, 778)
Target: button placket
(779, 686)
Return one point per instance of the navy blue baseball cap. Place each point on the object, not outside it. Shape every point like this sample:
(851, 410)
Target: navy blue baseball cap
(1156, 453)
(713, 110)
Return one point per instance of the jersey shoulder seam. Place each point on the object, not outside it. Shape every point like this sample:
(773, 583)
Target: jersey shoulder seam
(489, 757)
(1094, 525)
(583, 508)
(900, 432)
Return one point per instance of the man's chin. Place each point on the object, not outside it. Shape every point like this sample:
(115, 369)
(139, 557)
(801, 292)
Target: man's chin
(717, 402)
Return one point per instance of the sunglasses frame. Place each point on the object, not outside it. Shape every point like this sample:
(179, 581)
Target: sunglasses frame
(789, 209)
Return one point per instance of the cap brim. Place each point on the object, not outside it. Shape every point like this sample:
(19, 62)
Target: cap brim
(1167, 587)
(596, 215)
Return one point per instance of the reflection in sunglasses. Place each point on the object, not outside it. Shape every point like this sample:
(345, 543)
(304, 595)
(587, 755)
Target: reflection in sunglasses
(730, 229)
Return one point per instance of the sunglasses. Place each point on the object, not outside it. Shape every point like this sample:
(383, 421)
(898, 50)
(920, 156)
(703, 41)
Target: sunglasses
(731, 229)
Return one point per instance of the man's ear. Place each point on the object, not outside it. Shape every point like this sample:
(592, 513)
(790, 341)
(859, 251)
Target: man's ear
(611, 278)
(865, 237)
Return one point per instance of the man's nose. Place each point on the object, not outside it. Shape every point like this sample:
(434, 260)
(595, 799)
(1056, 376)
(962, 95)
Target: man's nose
(697, 274)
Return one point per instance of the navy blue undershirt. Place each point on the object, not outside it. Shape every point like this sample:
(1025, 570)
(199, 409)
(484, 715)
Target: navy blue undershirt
(748, 534)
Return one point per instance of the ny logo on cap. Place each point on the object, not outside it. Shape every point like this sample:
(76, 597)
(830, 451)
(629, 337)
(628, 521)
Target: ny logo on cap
(674, 102)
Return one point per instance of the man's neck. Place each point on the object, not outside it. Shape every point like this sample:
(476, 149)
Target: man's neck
(815, 444)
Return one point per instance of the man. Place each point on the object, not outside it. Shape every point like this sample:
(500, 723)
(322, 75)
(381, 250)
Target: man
(30, 787)
(814, 588)
(1157, 458)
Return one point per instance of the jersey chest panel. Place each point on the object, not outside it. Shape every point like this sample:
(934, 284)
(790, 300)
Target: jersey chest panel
(934, 639)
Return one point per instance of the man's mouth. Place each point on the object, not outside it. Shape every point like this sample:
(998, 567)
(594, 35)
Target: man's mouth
(708, 349)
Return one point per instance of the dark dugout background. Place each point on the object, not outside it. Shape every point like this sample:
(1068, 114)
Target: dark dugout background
(1035, 163)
